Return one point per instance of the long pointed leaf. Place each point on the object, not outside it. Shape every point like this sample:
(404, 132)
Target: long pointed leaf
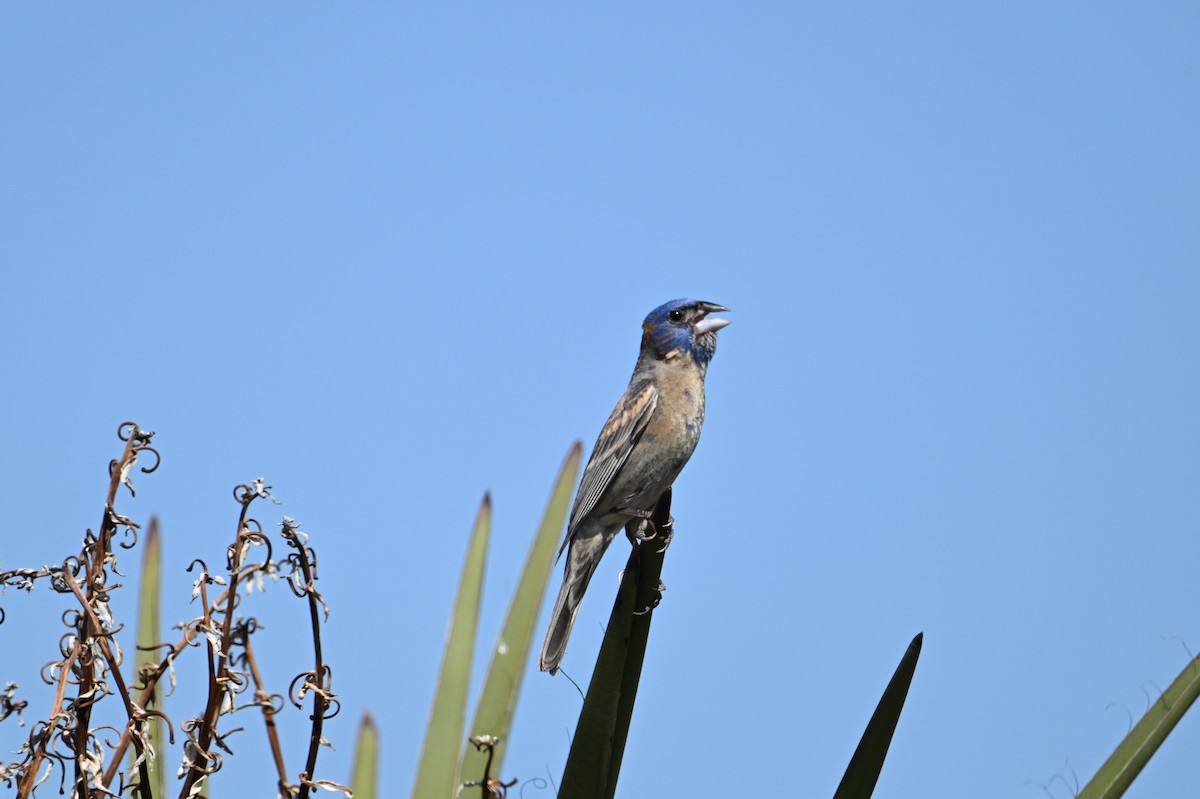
(364, 777)
(510, 658)
(438, 767)
(648, 570)
(863, 772)
(594, 761)
(149, 630)
(1133, 753)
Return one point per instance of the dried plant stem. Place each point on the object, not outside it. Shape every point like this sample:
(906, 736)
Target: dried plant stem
(320, 670)
(25, 786)
(115, 669)
(89, 664)
(218, 672)
(189, 635)
(89, 629)
(268, 711)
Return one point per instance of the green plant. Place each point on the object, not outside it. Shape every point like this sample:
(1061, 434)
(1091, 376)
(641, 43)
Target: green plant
(1134, 752)
(444, 765)
(68, 740)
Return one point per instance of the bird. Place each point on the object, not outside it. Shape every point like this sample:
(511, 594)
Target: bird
(641, 449)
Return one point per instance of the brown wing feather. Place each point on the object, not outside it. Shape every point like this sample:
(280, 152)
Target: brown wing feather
(617, 439)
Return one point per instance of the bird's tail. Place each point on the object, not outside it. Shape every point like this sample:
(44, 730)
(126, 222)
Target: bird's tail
(581, 565)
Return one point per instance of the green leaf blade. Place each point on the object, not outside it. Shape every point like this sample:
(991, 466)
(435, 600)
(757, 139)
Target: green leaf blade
(510, 656)
(438, 767)
(149, 630)
(1135, 751)
(364, 775)
(598, 747)
(865, 766)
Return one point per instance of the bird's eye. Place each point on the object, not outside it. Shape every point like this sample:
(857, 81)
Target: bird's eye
(676, 315)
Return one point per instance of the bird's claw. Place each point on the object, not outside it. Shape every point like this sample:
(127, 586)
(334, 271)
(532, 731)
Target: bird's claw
(667, 534)
(635, 531)
(648, 532)
(658, 592)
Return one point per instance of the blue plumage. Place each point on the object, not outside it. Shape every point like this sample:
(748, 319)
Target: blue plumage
(669, 328)
(643, 446)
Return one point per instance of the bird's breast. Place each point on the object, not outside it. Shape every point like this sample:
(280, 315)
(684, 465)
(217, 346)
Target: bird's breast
(680, 402)
(669, 439)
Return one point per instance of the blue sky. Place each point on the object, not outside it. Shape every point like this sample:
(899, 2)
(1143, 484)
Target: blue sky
(389, 258)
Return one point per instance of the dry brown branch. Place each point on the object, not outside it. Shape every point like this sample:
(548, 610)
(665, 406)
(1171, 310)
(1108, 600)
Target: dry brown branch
(267, 702)
(88, 667)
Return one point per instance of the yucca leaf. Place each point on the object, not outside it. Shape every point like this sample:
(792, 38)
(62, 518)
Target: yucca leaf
(149, 628)
(863, 772)
(364, 776)
(1133, 753)
(510, 657)
(438, 767)
(594, 761)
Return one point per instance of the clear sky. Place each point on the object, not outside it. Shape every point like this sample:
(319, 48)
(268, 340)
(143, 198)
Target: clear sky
(389, 257)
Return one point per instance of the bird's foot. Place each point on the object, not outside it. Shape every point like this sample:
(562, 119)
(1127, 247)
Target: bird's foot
(643, 530)
(646, 531)
(636, 530)
(654, 602)
(667, 534)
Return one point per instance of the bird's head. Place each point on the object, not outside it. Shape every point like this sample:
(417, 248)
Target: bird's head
(683, 327)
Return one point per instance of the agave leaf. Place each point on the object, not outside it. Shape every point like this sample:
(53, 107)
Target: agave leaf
(364, 775)
(1133, 753)
(594, 761)
(863, 772)
(149, 629)
(438, 767)
(510, 657)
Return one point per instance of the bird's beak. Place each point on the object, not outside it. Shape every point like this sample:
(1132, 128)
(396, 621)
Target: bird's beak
(705, 325)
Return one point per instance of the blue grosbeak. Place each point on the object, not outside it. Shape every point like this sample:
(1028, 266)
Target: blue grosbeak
(644, 445)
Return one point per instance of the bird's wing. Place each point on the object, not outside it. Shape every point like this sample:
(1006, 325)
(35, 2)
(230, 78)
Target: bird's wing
(621, 432)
